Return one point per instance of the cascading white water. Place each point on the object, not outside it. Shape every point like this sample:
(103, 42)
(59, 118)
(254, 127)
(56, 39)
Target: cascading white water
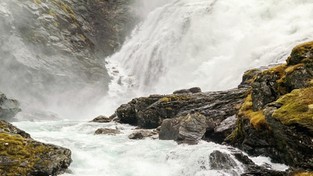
(183, 43)
(210, 43)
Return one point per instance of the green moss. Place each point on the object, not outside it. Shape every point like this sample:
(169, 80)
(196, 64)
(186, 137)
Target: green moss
(301, 54)
(297, 108)
(174, 98)
(22, 154)
(257, 118)
(303, 173)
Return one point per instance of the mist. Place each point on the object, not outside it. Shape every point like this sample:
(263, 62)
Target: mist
(39, 69)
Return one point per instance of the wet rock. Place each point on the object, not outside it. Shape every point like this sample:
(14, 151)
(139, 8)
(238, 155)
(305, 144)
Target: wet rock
(128, 113)
(248, 77)
(185, 129)
(149, 112)
(275, 120)
(21, 155)
(101, 119)
(8, 107)
(191, 90)
(107, 131)
(251, 169)
(265, 89)
(221, 161)
(223, 129)
(141, 134)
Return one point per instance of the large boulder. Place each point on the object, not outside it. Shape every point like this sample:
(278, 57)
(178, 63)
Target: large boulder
(8, 107)
(275, 119)
(21, 155)
(187, 129)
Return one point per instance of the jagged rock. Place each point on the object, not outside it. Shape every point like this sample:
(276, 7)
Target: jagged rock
(223, 129)
(8, 107)
(21, 155)
(128, 113)
(141, 134)
(248, 77)
(149, 112)
(191, 90)
(107, 131)
(276, 118)
(221, 161)
(265, 89)
(185, 129)
(101, 119)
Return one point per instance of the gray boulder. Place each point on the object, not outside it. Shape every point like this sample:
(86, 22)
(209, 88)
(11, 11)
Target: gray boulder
(8, 107)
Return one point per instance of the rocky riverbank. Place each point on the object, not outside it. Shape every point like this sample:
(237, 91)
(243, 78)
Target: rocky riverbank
(20, 154)
(269, 114)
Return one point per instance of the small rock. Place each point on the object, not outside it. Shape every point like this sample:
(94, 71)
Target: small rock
(107, 131)
(142, 134)
(101, 119)
(221, 161)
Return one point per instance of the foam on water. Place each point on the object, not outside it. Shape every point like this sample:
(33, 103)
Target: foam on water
(105, 155)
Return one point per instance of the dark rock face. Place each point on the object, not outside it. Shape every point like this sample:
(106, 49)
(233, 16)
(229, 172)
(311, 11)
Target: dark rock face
(128, 113)
(248, 77)
(276, 120)
(21, 155)
(212, 107)
(191, 90)
(107, 131)
(148, 112)
(264, 90)
(8, 107)
(221, 161)
(251, 169)
(101, 119)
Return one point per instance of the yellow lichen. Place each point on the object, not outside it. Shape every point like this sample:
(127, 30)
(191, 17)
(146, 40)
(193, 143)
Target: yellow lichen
(174, 98)
(257, 118)
(296, 108)
(22, 154)
(37, 1)
(301, 53)
(303, 174)
(292, 68)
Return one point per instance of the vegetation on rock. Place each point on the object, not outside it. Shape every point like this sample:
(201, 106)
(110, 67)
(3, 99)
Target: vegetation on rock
(21, 155)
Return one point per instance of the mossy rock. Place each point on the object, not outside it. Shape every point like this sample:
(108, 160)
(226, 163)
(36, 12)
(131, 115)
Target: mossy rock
(297, 108)
(23, 156)
(302, 53)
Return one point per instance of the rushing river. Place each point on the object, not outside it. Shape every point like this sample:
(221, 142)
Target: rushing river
(106, 155)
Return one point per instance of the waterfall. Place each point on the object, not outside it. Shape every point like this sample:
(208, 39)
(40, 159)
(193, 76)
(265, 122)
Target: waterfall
(207, 43)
